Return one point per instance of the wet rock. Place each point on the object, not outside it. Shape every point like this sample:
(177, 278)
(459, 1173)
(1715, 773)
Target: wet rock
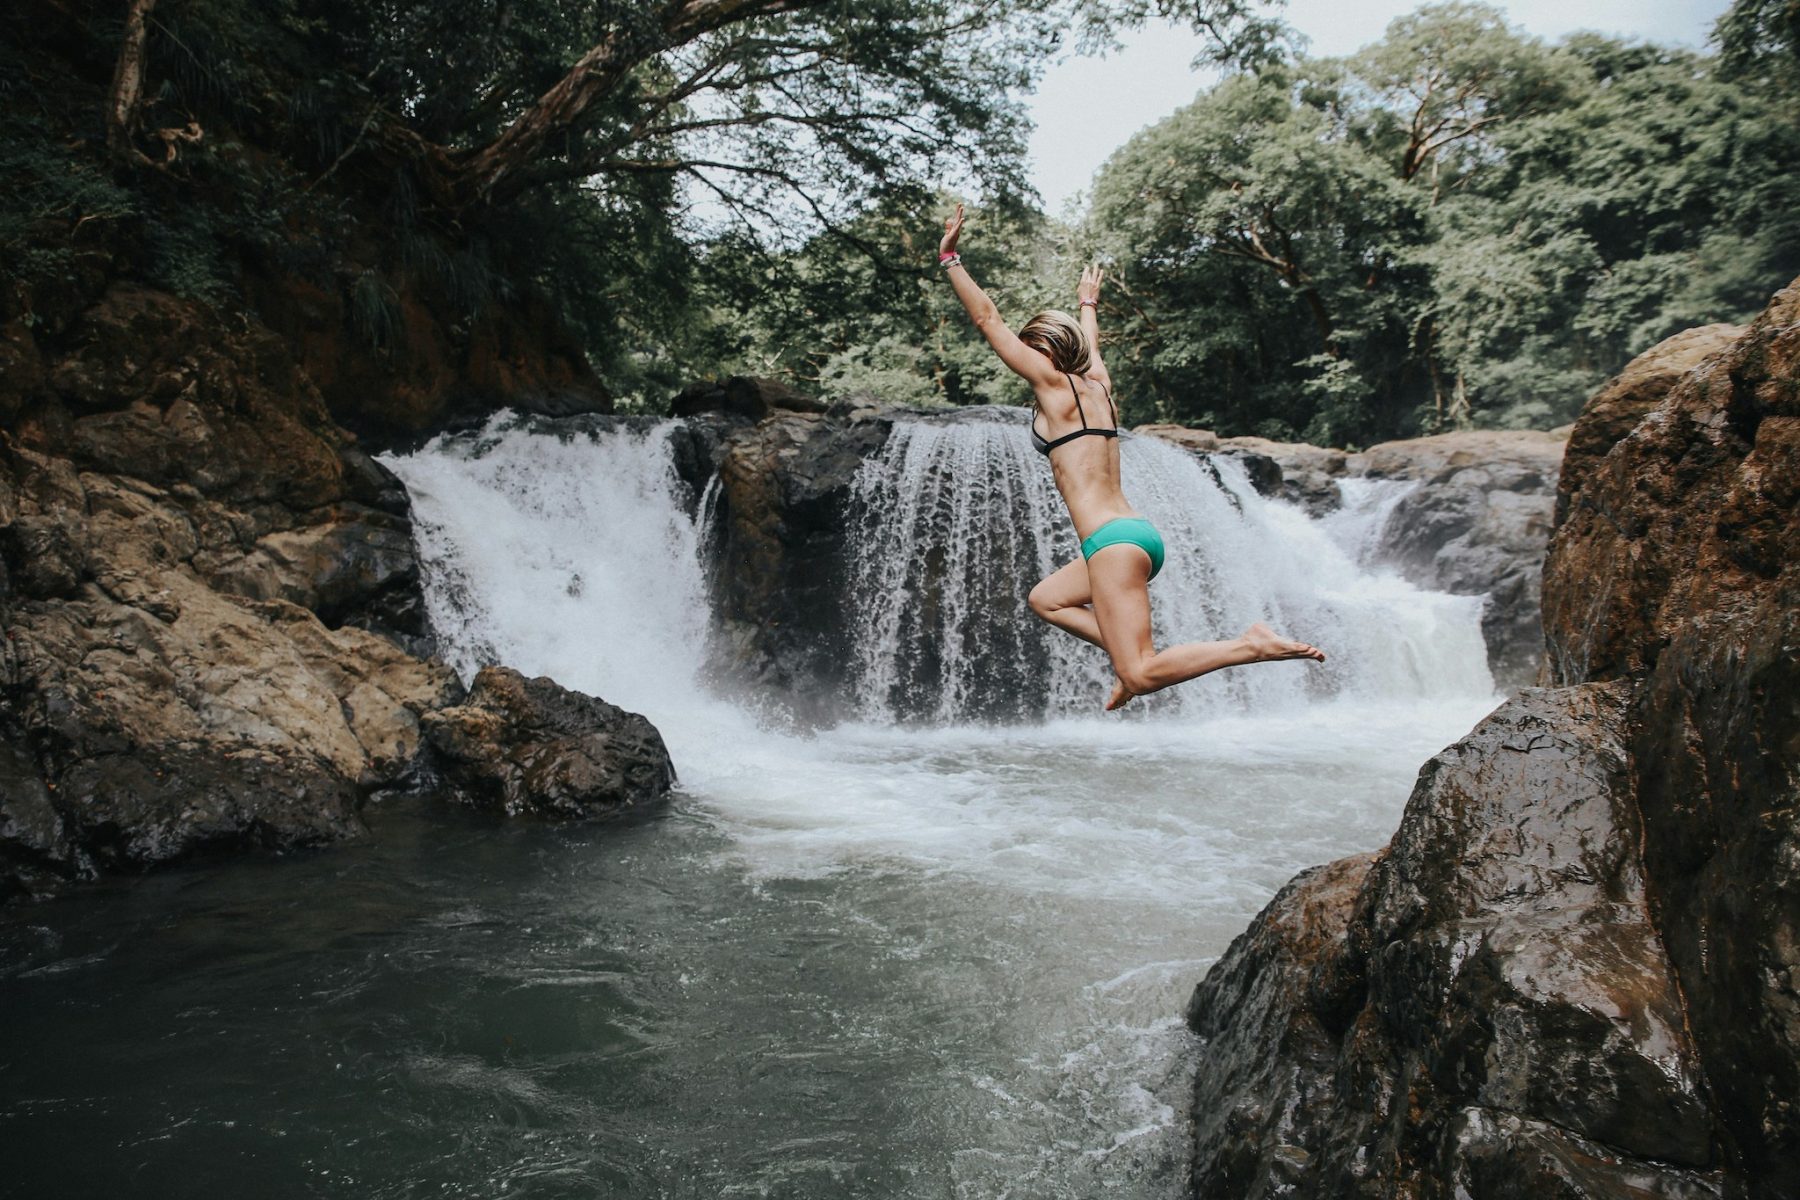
(1615, 409)
(1573, 971)
(781, 546)
(36, 851)
(530, 746)
(1678, 568)
(1497, 961)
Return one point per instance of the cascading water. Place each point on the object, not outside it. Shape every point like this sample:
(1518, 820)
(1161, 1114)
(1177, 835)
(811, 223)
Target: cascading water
(563, 553)
(568, 551)
(960, 517)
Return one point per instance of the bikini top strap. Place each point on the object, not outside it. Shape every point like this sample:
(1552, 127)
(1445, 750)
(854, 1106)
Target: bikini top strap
(1077, 396)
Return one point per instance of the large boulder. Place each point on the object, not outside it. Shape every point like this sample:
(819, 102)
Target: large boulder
(1678, 567)
(207, 588)
(531, 746)
(1387, 1019)
(1616, 409)
(1572, 971)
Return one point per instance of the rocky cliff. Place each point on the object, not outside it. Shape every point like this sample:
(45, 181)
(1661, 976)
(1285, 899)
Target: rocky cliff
(778, 542)
(214, 634)
(1573, 971)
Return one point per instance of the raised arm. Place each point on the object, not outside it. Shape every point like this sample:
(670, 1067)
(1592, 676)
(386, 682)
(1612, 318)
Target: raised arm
(1087, 295)
(1016, 354)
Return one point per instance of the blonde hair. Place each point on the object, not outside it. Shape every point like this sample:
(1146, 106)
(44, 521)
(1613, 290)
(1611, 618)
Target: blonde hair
(1057, 335)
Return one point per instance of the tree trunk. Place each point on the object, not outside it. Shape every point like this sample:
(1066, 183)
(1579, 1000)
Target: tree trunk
(1321, 316)
(128, 84)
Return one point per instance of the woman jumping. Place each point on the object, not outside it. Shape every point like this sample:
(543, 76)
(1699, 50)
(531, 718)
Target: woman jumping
(1100, 598)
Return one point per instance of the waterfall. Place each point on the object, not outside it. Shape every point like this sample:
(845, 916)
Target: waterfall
(567, 550)
(959, 517)
(562, 550)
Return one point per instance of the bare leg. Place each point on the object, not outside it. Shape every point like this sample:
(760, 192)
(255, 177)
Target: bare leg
(1122, 610)
(1063, 598)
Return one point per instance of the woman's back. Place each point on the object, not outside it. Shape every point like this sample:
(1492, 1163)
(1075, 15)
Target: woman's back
(1080, 436)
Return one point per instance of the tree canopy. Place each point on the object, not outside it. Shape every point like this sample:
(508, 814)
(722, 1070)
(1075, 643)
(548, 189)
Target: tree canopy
(1460, 224)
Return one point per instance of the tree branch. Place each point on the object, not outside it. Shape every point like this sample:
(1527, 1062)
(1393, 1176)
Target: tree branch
(481, 174)
(128, 86)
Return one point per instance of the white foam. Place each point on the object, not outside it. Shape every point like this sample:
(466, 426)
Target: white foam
(572, 556)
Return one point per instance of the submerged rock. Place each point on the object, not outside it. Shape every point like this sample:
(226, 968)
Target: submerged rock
(1572, 971)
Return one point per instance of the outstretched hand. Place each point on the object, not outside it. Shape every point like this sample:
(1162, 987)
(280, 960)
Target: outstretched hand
(1089, 287)
(952, 230)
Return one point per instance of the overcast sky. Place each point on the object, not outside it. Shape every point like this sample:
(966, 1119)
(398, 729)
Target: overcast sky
(1086, 108)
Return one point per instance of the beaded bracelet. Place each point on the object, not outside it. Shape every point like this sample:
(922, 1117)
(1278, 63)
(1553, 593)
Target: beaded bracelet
(1093, 304)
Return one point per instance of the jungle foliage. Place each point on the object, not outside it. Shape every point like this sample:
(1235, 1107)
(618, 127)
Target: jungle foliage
(1459, 225)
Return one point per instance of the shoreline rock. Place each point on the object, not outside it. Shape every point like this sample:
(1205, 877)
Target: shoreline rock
(215, 634)
(1571, 972)
(531, 746)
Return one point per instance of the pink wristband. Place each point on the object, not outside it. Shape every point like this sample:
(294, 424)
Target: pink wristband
(944, 258)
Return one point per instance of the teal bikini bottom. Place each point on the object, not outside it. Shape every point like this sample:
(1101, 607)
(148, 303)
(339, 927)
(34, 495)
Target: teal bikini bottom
(1133, 530)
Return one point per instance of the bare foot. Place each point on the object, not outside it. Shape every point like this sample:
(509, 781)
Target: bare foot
(1270, 646)
(1120, 696)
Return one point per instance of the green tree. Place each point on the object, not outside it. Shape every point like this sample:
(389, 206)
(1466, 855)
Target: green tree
(1261, 278)
(587, 150)
(1655, 197)
(1458, 225)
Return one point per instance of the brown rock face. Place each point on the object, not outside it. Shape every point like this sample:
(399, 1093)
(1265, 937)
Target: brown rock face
(1616, 409)
(180, 520)
(209, 596)
(1686, 540)
(1573, 971)
(1387, 1020)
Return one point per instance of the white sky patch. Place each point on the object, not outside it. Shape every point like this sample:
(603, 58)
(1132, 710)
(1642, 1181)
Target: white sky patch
(1088, 107)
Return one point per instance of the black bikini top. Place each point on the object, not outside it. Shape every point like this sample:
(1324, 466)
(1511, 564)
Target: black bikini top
(1044, 447)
